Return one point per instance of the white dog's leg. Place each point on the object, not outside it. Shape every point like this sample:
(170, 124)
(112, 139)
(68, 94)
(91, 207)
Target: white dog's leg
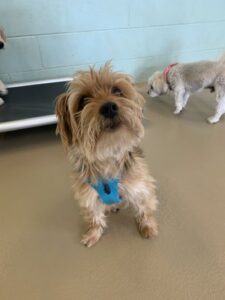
(220, 110)
(179, 100)
(1, 101)
(185, 99)
(3, 89)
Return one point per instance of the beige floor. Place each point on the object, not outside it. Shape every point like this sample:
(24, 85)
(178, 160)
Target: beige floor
(40, 227)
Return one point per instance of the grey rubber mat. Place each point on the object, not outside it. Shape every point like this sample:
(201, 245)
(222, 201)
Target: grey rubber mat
(30, 101)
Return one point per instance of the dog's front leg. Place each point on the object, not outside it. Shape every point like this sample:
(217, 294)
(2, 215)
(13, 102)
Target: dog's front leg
(94, 215)
(220, 110)
(179, 100)
(185, 99)
(3, 89)
(147, 225)
(144, 202)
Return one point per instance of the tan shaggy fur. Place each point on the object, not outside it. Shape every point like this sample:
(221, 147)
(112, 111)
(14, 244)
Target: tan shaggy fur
(99, 147)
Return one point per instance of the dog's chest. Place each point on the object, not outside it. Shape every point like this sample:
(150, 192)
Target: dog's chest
(108, 190)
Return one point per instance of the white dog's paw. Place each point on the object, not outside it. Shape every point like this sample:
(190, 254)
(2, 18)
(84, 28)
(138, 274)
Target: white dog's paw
(3, 89)
(177, 111)
(213, 120)
(1, 101)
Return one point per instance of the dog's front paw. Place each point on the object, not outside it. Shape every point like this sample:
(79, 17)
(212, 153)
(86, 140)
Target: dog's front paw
(213, 120)
(92, 237)
(177, 111)
(1, 101)
(149, 229)
(3, 89)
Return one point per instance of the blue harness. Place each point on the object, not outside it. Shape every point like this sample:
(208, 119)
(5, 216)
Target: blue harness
(107, 190)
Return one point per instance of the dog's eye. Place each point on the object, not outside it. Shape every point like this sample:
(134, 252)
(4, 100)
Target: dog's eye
(82, 102)
(151, 87)
(117, 91)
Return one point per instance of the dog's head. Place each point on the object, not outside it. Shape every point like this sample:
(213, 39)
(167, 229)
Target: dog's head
(100, 114)
(2, 39)
(157, 85)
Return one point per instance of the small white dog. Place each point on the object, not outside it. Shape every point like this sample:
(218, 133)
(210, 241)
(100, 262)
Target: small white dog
(185, 79)
(3, 90)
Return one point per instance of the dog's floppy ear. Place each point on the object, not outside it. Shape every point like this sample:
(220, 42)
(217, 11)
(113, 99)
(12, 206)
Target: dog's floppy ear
(64, 123)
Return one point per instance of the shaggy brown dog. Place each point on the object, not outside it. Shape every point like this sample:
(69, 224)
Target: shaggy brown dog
(99, 121)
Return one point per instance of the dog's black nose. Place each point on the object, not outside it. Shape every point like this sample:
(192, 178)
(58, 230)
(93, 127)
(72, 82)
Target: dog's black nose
(1, 45)
(109, 110)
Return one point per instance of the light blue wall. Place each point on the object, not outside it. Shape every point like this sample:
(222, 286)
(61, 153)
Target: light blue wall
(54, 38)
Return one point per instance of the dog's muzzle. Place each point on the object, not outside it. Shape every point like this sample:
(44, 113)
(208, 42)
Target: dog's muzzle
(109, 110)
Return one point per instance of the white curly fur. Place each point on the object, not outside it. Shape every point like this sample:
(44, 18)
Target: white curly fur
(185, 79)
